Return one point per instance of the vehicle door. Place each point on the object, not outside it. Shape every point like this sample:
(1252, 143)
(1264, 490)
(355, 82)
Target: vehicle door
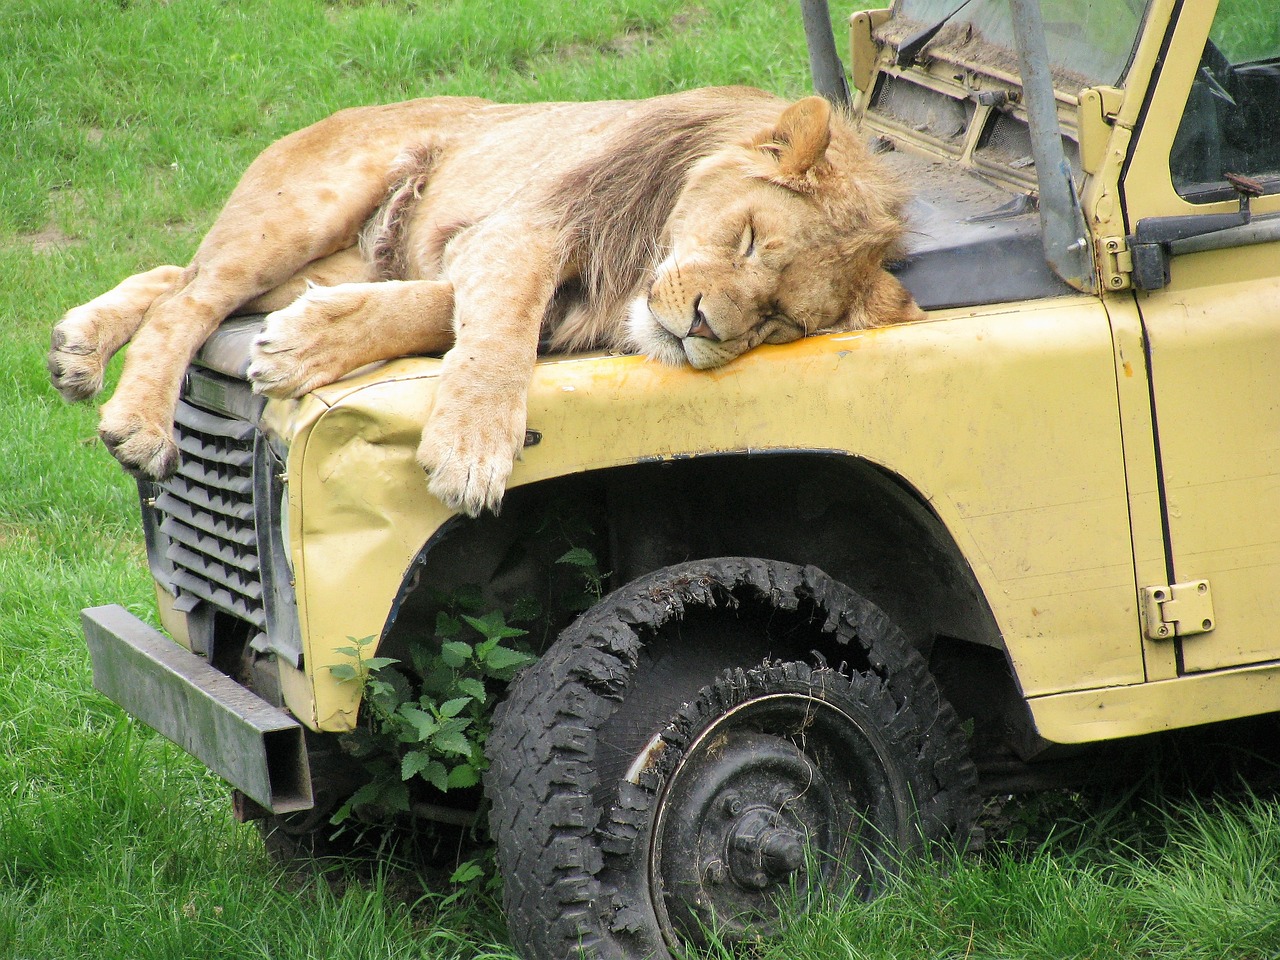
(1211, 318)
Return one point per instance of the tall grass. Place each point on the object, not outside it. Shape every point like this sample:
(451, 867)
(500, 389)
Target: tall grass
(122, 126)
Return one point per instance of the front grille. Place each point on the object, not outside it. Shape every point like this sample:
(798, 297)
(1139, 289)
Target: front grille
(206, 515)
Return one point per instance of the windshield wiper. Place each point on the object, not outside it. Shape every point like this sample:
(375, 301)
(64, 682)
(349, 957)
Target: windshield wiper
(910, 48)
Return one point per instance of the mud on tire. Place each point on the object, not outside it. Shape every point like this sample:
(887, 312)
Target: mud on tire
(673, 762)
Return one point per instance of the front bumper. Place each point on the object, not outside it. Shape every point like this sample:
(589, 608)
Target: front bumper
(254, 746)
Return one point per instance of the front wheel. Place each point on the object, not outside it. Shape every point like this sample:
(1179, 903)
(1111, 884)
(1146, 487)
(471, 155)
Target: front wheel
(672, 765)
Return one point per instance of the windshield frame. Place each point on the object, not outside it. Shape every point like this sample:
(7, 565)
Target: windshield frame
(980, 37)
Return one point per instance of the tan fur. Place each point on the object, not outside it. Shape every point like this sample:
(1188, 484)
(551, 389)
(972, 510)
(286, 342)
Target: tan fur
(690, 227)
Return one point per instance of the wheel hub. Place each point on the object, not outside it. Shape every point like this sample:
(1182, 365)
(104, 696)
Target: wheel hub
(742, 816)
(763, 849)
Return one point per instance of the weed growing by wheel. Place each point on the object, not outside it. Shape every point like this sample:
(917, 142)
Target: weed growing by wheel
(432, 725)
(425, 723)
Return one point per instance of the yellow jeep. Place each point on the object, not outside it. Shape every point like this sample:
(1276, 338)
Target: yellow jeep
(856, 581)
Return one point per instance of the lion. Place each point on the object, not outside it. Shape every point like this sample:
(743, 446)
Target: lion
(690, 227)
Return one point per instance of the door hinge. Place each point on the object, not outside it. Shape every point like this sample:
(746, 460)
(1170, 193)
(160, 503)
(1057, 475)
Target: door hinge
(1179, 610)
(1115, 263)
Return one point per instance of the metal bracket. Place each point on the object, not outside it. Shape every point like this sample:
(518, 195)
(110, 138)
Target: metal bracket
(1095, 115)
(1180, 610)
(1115, 263)
(1153, 238)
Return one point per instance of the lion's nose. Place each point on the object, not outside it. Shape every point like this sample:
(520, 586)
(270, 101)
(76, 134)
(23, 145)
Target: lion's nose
(700, 327)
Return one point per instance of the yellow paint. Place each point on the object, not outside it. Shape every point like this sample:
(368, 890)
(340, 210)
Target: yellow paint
(173, 621)
(1148, 189)
(1216, 363)
(1006, 421)
(1146, 527)
(1093, 715)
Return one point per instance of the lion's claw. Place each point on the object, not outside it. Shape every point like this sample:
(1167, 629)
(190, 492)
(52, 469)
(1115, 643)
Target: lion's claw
(144, 449)
(469, 466)
(297, 350)
(74, 366)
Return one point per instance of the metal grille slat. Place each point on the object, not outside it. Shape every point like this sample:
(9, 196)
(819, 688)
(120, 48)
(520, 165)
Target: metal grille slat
(206, 513)
(212, 451)
(220, 597)
(210, 476)
(198, 421)
(210, 523)
(215, 572)
(209, 546)
(201, 499)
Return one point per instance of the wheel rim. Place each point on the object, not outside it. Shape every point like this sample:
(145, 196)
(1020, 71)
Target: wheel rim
(778, 797)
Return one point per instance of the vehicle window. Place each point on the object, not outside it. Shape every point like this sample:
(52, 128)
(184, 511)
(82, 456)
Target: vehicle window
(1232, 121)
(1090, 41)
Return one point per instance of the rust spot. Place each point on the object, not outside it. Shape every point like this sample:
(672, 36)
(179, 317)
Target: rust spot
(653, 756)
(1128, 369)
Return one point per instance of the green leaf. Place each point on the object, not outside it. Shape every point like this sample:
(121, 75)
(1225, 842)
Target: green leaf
(414, 762)
(451, 708)
(424, 724)
(455, 653)
(434, 773)
(579, 557)
(473, 688)
(344, 672)
(503, 662)
(467, 872)
(378, 663)
(451, 742)
(341, 814)
(394, 796)
(389, 796)
(493, 626)
(447, 625)
(464, 775)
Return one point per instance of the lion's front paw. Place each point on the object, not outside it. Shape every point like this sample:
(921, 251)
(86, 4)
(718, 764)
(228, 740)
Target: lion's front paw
(469, 463)
(302, 346)
(75, 362)
(144, 446)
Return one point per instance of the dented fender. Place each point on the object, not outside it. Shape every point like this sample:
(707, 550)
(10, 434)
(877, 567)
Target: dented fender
(1005, 421)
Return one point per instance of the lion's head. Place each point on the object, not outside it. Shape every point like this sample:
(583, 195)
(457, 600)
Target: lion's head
(773, 239)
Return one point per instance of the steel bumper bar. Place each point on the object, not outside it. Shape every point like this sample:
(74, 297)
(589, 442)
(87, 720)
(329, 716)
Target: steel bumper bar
(254, 746)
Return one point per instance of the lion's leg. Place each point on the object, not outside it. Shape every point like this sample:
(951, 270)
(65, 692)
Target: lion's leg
(136, 424)
(89, 335)
(330, 331)
(304, 198)
(476, 427)
(345, 266)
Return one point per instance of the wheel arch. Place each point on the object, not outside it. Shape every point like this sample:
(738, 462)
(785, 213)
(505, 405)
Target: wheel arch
(860, 523)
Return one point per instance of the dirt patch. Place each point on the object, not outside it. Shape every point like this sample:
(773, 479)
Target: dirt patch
(50, 239)
(634, 37)
(13, 536)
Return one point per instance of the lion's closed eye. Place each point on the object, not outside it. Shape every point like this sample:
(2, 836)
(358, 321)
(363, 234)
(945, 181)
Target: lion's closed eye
(747, 243)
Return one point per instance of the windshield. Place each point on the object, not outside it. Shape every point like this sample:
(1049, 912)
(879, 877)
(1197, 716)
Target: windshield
(1090, 41)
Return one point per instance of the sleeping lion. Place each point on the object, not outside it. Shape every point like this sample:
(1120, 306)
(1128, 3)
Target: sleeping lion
(690, 227)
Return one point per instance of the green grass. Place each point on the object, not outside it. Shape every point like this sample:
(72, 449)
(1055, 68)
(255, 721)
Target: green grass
(122, 126)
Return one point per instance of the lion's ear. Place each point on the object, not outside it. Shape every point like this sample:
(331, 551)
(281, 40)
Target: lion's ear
(801, 137)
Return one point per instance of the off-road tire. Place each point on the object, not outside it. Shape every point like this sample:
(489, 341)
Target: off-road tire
(573, 824)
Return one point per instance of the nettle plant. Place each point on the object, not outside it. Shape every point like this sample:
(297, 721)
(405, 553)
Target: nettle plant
(429, 719)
